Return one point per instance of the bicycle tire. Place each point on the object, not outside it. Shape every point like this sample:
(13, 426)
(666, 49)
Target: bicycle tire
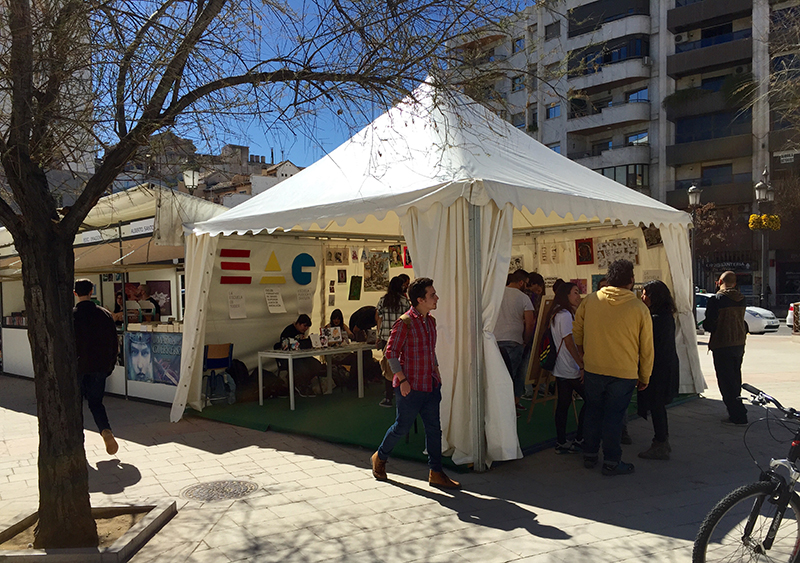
(720, 535)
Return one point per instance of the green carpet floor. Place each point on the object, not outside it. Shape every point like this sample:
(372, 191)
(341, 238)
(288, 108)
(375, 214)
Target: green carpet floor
(343, 418)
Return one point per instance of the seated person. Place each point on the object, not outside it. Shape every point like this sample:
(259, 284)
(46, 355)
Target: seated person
(119, 308)
(337, 319)
(361, 321)
(305, 369)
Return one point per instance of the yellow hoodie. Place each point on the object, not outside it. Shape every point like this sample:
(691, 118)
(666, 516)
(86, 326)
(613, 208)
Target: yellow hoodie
(616, 332)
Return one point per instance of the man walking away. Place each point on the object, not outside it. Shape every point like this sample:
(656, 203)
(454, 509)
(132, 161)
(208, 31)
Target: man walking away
(725, 321)
(97, 345)
(514, 330)
(411, 352)
(614, 331)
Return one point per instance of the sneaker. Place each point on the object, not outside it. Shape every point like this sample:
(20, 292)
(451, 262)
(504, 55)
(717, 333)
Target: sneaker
(730, 422)
(386, 403)
(626, 438)
(520, 407)
(590, 462)
(562, 449)
(576, 447)
(528, 395)
(619, 468)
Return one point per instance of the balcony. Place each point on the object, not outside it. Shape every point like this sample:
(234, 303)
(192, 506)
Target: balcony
(615, 156)
(705, 59)
(693, 15)
(613, 75)
(720, 194)
(783, 139)
(723, 148)
(617, 115)
(699, 102)
(629, 25)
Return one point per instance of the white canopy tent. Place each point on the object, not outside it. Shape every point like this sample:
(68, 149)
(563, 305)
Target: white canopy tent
(456, 182)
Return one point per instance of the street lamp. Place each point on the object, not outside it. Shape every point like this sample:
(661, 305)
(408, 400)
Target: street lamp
(764, 194)
(694, 202)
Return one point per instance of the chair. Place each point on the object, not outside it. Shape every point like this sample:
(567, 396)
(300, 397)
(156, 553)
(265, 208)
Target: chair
(216, 358)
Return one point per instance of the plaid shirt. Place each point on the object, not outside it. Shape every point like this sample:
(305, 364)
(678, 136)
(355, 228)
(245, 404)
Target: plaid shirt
(389, 316)
(414, 347)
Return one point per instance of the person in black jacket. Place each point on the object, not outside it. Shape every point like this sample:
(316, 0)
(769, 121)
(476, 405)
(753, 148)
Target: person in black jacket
(97, 346)
(725, 321)
(666, 370)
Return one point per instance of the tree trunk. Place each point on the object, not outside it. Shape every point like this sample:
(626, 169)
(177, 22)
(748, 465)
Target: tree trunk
(65, 518)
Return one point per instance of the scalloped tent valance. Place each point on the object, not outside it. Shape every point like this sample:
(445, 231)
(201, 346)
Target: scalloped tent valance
(435, 147)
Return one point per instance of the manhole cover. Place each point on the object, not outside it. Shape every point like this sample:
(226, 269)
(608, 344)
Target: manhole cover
(219, 490)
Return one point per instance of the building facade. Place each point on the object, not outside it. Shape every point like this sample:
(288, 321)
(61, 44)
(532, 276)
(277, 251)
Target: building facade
(657, 96)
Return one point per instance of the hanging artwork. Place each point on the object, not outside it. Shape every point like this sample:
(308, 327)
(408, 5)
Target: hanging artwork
(582, 285)
(517, 263)
(395, 256)
(652, 236)
(336, 256)
(406, 258)
(596, 281)
(544, 253)
(342, 276)
(354, 254)
(555, 253)
(376, 271)
(355, 288)
(584, 251)
(621, 248)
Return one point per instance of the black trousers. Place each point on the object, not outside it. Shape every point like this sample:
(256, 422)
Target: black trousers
(565, 388)
(93, 387)
(728, 365)
(660, 426)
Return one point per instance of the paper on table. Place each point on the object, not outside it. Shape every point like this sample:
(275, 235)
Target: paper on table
(305, 301)
(274, 300)
(236, 305)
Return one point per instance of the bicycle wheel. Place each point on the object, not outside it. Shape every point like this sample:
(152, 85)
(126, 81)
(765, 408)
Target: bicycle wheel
(721, 535)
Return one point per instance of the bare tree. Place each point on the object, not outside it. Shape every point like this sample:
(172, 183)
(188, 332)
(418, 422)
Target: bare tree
(81, 75)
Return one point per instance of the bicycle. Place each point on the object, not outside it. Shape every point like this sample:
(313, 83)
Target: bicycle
(752, 523)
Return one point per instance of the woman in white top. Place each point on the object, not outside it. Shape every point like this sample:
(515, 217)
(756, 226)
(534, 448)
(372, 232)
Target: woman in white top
(569, 364)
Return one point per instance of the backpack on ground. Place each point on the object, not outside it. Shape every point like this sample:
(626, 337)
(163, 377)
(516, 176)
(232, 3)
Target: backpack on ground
(220, 388)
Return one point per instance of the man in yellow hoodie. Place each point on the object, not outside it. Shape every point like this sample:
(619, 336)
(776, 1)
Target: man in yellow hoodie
(613, 330)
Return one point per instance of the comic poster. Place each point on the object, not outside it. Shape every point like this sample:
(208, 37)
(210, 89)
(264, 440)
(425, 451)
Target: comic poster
(376, 271)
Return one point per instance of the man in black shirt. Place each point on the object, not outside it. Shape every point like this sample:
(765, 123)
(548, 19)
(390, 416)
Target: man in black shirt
(97, 345)
(361, 321)
(297, 328)
(305, 369)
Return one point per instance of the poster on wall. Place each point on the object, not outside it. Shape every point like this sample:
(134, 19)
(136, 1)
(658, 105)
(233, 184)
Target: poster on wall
(236, 305)
(621, 248)
(517, 263)
(406, 258)
(584, 251)
(342, 276)
(337, 256)
(305, 301)
(274, 300)
(159, 290)
(355, 288)
(596, 281)
(652, 236)
(544, 253)
(376, 271)
(153, 357)
(395, 256)
(581, 284)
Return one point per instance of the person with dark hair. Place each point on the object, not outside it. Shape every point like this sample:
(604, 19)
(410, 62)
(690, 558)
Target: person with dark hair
(119, 308)
(725, 321)
(614, 331)
(514, 330)
(389, 309)
(557, 284)
(361, 321)
(569, 364)
(337, 319)
(406, 280)
(305, 369)
(411, 352)
(664, 380)
(534, 288)
(96, 345)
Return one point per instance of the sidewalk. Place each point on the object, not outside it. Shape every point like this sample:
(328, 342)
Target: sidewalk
(318, 501)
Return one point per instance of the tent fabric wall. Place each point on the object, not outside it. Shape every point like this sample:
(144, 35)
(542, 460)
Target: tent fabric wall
(438, 239)
(200, 255)
(676, 246)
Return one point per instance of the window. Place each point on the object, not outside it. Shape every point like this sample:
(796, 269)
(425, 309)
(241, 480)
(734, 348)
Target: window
(599, 146)
(552, 31)
(533, 120)
(592, 59)
(518, 120)
(716, 175)
(532, 74)
(713, 84)
(517, 83)
(637, 96)
(636, 139)
(555, 147)
(518, 45)
(553, 111)
(553, 70)
(713, 126)
(631, 175)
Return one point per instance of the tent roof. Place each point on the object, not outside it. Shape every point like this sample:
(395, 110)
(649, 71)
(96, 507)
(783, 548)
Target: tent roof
(434, 148)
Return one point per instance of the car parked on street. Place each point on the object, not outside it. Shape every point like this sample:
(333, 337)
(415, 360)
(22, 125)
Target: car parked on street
(790, 316)
(758, 320)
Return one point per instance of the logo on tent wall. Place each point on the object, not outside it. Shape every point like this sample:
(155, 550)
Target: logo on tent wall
(273, 268)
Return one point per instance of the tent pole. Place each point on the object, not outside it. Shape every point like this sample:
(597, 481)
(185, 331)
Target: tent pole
(476, 389)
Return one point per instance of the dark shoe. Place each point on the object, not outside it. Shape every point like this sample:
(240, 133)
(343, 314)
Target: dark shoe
(590, 462)
(442, 481)
(562, 449)
(658, 450)
(378, 467)
(520, 407)
(619, 468)
(626, 438)
(730, 422)
(386, 403)
(576, 447)
(111, 444)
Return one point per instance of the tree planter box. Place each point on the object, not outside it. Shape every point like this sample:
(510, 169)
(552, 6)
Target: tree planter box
(122, 549)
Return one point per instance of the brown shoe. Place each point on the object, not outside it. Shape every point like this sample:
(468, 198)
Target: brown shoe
(442, 481)
(111, 444)
(378, 467)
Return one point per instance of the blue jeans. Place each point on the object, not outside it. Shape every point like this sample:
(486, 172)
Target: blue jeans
(93, 387)
(607, 399)
(425, 404)
(512, 355)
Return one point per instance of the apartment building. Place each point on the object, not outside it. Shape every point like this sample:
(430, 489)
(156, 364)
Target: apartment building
(657, 95)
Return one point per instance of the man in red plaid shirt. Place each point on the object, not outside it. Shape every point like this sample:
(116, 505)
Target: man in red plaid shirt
(411, 351)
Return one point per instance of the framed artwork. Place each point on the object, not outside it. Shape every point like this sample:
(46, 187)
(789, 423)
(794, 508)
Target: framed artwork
(331, 300)
(596, 281)
(335, 256)
(517, 263)
(161, 294)
(342, 275)
(355, 288)
(354, 254)
(332, 287)
(395, 256)
(584, 251)
(581, 284)
(652, 236)
(544, 253)
(376, 271)
(406, 258)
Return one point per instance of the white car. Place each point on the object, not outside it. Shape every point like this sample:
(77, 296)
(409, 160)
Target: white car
(790, 316)
(758, 320)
